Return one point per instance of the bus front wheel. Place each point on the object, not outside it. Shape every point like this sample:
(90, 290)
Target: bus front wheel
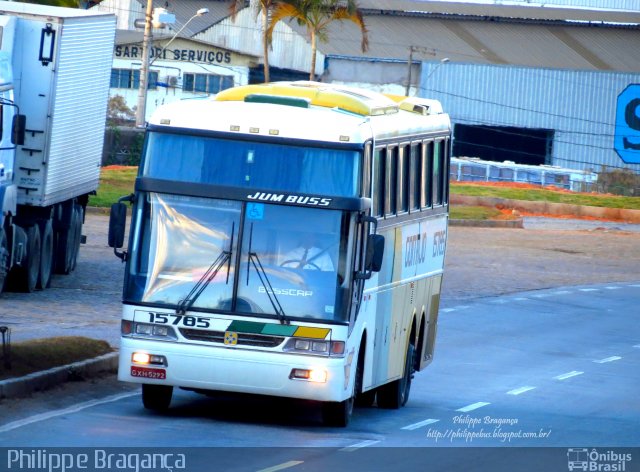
(396, 394)
(156, 397)
(337, 413)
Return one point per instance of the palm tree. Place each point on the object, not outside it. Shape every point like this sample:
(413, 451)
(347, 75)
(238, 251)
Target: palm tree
(316, 15)
(262, 7)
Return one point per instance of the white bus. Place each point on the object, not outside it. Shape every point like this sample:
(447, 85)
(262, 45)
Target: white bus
(286, 239)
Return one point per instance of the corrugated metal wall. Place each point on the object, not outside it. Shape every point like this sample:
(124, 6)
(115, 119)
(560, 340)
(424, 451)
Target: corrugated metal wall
(579, 105)
(290, 50)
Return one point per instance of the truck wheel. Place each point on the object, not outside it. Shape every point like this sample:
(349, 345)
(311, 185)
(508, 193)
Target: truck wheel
(396, 394)
(77, 236)
(156, 397)
(46, 255)
(65, 246)
(4, 258)
(26, 276)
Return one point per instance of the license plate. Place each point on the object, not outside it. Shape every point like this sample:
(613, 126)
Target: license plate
(148, 373)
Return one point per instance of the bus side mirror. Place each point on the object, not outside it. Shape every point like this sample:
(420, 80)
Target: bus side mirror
(117, 224)
(375, 252)
(18, 129)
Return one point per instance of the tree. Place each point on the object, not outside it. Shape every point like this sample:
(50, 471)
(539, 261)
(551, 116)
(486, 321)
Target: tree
(263, 8)
(316, 15)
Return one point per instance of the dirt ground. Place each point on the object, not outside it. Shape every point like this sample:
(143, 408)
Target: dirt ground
(490, 261)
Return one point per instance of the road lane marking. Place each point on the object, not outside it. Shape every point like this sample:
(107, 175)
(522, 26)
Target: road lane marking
(560, 292)
(588, 289)
(568, 375)
(637, 345)
(518, 391)
(521, 299)
(473, 406)
(413, 426)
(448, 310)
(360, 445)
(284, 465)
(65, 411)
(612, 288)
(608, 359)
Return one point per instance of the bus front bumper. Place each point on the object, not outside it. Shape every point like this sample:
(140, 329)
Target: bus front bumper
(234, 370)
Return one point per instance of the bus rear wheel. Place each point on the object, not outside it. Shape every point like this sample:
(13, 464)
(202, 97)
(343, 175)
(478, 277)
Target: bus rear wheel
(396, 394)
(156, 397)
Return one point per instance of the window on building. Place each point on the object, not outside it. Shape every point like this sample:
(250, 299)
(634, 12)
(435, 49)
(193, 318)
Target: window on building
(130, 79)
(206, 83)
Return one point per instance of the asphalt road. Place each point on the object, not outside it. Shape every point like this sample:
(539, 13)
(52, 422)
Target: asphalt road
(548, 368)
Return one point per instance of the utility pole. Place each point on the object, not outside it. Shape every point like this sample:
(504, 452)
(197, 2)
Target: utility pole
(409, 71)
(144, 69)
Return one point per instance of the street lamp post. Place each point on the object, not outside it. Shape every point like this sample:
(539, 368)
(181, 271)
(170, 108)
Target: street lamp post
(146, 62)
(144, 69)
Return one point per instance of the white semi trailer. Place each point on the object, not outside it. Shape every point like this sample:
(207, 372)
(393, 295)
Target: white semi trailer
(55, 68)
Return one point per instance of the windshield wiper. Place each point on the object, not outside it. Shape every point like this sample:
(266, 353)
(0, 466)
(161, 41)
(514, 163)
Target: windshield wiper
(207, 277)
(264, 280)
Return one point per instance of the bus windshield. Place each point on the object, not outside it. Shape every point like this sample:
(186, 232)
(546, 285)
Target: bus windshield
(251, 164)
(192, 253)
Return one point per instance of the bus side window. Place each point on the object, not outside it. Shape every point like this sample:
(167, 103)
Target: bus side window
(437, 173)
(447, 170)
(403, 179)
(378, 181)
(391, 181)
(415, 177)
(427, 166)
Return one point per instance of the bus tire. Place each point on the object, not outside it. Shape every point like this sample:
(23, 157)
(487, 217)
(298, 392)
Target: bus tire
(363, 399)
(337, 413)
(396, 394)
(46, 254)
(156, 397)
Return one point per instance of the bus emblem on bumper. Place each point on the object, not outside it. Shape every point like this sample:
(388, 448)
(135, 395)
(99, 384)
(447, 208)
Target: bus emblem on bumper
(230, 338)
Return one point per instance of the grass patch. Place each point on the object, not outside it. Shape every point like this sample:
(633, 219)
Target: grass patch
(546, 195)
(464, 212)
(40, 354)
(115, 182)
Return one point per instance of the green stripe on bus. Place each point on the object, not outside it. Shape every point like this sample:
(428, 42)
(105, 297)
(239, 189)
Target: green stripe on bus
(246, 327)
(279, 330)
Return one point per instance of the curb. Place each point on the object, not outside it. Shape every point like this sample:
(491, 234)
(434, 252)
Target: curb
(21, 386)
(550, 208)
(519, 223)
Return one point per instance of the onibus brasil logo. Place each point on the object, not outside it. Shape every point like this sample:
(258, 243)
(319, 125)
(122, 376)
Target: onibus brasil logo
(594, 460)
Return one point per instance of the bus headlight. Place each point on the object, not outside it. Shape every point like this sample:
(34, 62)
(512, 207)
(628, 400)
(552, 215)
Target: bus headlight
(147, 330)
(315, 347)
(145, 358)
(312, 375)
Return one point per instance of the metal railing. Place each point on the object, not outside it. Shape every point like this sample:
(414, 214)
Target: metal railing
(476, 170)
